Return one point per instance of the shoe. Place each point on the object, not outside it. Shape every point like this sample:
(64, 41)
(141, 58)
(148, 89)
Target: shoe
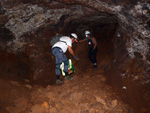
(95, 65)
(59, 82)
(68, 78)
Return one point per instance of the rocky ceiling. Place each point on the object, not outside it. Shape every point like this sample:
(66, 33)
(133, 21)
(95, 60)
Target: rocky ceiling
(27, 17)
(22, 17)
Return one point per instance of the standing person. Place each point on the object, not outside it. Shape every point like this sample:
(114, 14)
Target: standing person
(93, 47)
(58, 50)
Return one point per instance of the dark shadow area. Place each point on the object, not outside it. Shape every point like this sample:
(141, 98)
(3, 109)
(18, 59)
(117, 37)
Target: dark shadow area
(5, 35)
(15, 67)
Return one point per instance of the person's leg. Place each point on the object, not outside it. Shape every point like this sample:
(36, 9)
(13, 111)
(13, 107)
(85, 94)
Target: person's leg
(57, 52)
(66, 63)
(94, 59)
(90, 55)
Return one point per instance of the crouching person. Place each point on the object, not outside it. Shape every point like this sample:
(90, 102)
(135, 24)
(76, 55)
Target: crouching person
(58, 50)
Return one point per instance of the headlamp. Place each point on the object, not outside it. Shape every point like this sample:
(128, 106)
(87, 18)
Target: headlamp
(75, 40)
(86, 35)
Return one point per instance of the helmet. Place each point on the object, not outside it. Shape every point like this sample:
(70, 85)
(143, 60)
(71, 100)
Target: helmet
(87, 32)
(74, 35)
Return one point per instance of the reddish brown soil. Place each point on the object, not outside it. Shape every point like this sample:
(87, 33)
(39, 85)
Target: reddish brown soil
(87, 93)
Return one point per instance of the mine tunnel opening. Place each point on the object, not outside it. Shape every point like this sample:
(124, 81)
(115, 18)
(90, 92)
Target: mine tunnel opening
(104, 30)
(102, 26)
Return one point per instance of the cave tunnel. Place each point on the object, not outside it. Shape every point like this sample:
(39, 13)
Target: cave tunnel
(120, 83)
(103, 28)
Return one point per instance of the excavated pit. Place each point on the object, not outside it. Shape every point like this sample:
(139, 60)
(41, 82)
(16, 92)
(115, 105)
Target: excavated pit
(29, 56)
(20, 67)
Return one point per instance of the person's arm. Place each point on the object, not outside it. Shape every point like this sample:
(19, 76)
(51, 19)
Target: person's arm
(82, 40)
(72, 53)
(94, 41)
(71, 50)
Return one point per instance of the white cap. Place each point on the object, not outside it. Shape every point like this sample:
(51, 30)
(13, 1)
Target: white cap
(87, 32)
(74, 35)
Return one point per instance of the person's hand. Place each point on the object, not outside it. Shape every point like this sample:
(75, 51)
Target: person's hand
(79, 41)
(76, 58)
(82, 40)
(93, 50)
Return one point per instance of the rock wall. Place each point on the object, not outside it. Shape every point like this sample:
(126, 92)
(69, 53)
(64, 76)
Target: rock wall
(133, 37)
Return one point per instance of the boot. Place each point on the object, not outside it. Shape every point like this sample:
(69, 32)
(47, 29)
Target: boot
(68, 77)
(95, 65)
(59, 82)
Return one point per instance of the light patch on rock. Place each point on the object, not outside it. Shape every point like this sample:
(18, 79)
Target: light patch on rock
(101, 100)
(15, 83)
(45, 105)
(38, 109)
(27, 18)
(28, 86)
(139, 44)
(26, 80)
(114, 103)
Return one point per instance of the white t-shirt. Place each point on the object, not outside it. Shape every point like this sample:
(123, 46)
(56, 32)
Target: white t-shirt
(63, 45)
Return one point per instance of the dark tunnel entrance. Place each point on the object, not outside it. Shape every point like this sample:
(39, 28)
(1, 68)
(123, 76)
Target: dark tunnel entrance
(104, 31)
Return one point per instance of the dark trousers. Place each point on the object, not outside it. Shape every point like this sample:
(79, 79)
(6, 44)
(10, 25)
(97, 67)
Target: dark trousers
(92, 55)
(60, 57)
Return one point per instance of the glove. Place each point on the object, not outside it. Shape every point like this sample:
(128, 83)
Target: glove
(76, 58)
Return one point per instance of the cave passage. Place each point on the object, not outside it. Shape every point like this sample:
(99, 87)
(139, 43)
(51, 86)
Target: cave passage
(104, 30)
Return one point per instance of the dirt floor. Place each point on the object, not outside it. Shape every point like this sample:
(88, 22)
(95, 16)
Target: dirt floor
(89, 92)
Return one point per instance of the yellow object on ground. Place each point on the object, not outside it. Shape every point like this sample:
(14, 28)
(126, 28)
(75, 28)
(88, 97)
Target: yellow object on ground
(70, 68)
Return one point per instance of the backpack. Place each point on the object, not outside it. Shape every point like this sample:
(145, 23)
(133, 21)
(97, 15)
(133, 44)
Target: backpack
(55, 39)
